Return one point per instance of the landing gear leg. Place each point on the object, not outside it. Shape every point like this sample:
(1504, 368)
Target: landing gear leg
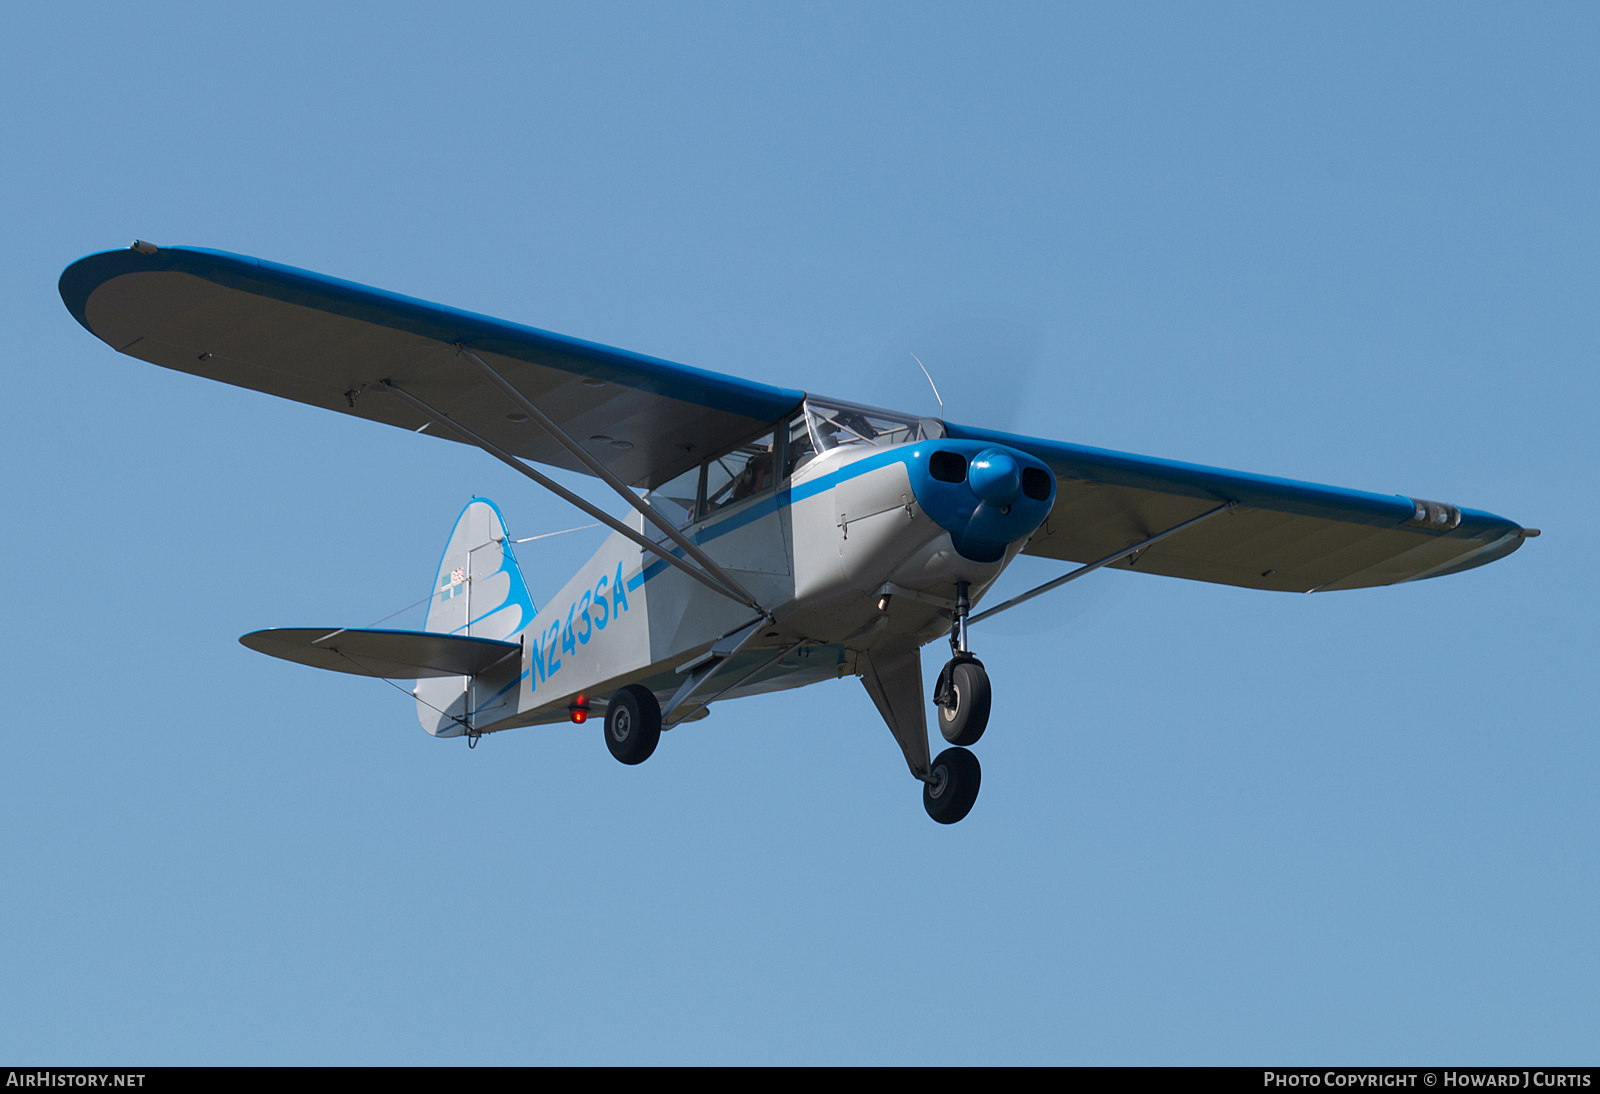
(893, 677)
(962, 690)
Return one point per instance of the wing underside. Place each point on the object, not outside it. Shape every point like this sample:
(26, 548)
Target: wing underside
(1281, 534)
(330, 343)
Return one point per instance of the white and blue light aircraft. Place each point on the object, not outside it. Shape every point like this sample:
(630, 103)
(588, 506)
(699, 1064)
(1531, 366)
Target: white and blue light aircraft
(776, 538)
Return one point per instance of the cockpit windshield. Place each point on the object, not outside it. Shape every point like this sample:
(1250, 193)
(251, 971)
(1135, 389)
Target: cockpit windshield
(832, 423)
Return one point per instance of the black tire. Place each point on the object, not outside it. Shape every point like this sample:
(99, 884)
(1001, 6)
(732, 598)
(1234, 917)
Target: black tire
(633, 724)
(954, 788)
(964, 714)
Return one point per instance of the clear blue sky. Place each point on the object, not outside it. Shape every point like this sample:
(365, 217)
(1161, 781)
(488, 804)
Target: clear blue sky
(1355, 244)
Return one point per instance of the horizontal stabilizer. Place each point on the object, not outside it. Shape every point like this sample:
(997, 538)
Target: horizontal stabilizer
(396, 655)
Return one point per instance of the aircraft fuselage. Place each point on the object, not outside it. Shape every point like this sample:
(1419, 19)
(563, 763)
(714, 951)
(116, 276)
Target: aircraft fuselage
(860, 549)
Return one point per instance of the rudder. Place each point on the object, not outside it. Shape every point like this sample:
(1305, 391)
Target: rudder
(479, 590)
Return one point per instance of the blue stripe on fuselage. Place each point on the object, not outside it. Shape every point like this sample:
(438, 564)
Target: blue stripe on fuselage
(785, 496)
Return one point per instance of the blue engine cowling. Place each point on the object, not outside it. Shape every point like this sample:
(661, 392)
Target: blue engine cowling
(987, 496)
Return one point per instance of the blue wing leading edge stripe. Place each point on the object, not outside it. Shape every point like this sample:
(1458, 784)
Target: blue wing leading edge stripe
(361, 302)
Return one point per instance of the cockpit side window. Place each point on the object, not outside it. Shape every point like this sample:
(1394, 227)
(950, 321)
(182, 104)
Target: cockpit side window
(758, 465)
(742, 473)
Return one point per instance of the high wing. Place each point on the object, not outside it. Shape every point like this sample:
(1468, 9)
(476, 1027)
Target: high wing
(337, 345)
(1281, 534)
(332, 343)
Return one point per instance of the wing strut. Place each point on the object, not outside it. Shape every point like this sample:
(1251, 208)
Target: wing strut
(1108, 560)
(700, 671)
(566, 495)
(605, 476)
(747, 677)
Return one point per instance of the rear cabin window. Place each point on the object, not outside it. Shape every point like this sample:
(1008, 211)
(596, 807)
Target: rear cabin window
(675, 500)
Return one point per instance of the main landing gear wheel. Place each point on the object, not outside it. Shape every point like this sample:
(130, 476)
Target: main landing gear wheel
(633, 724)
(962, 696)
(952, 785)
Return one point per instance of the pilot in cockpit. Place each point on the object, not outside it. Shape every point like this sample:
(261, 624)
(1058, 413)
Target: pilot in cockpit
(756, 477)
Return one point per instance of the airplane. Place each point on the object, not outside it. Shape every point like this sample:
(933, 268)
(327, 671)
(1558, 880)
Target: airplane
(775, 538)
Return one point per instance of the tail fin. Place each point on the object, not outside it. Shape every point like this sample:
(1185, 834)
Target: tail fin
(478, 593)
